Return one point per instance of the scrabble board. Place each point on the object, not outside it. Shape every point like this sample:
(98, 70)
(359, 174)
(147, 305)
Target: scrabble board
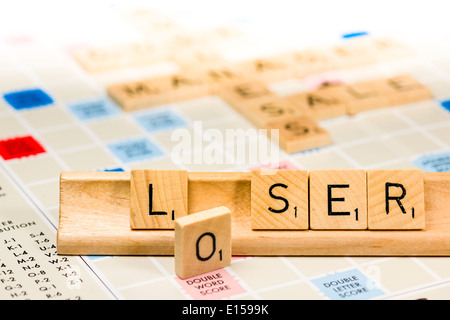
(57, 113)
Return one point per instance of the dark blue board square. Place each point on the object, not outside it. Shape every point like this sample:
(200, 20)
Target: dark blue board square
(446, 104)
(27, 99)
(114, 170)
(354, 34)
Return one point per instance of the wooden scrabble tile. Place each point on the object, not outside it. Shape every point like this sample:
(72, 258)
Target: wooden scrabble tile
(185, 86)
(337, 199)
(134, 95)
(395, 199)
(151, 23)
(202, 242)
(386, 49)
(261, 114)
(139, 54)
(323, 103)
(118, 56)
(362, 96)
(194, 58)
(299, 134)
(157, 198)
(182, 40)
(242, 94)
(97, 59)
(156, 91)
(221, 34)
(353, 53)
(279, 199)
(268, 69)
(312, 61)
(403, 89)
(222, 75)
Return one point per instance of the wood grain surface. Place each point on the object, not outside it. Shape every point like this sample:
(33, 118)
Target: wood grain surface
(95, 217)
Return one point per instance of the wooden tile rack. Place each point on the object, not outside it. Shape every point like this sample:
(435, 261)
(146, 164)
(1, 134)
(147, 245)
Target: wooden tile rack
(95, 220)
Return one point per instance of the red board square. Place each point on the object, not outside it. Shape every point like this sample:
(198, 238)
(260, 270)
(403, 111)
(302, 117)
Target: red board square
(20, 147)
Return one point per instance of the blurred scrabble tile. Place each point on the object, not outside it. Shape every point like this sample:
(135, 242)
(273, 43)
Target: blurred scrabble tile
(268, 69)
(142, 53)
(195, 57)
(181, 86)
(354, 53)
(181, 40)
(97, 59)
(362, 96)
(135, 95)
(263, 113)
(222, 75)
(202, 242)
(299, 134)
(157, 198)
(161, 90)
(395, 199)
(337, 199)
(118, 56)
(323, 103)
(279, 199)
(242, 94)
(220, 34)
(311, 61)
(151, 22)
(403, 89)
(385, 49)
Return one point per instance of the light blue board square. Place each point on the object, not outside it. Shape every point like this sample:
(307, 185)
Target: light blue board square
(135, 150)
(159, 120)
(347, 285)
(437, 162)
(94, 109)
(93, 258)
